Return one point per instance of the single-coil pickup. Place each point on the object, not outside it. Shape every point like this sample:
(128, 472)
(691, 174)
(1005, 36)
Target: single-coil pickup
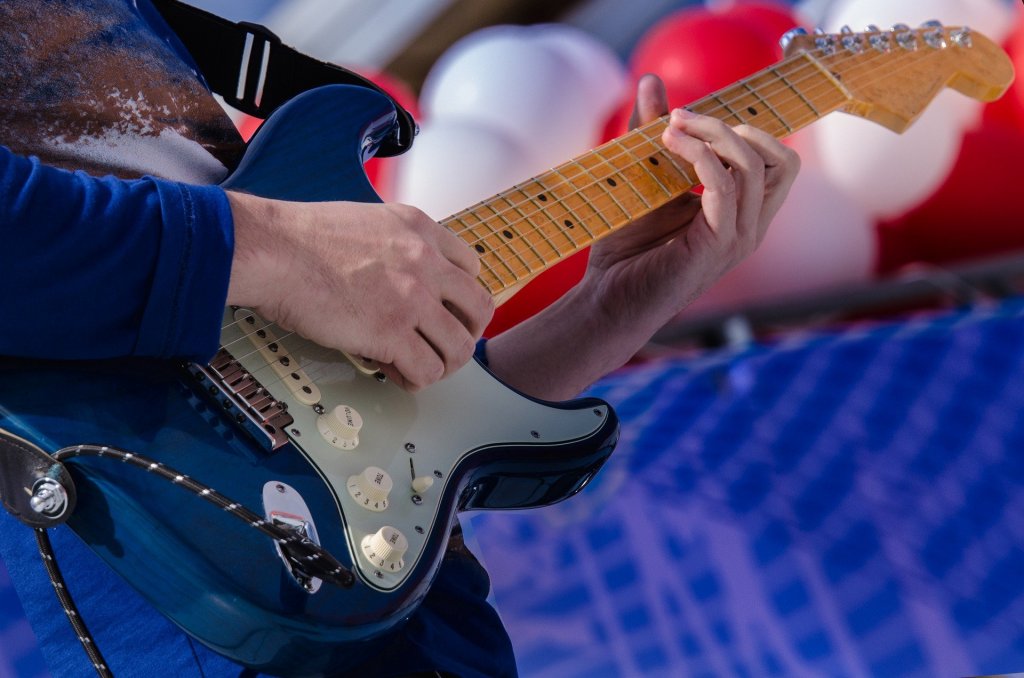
(274, 353)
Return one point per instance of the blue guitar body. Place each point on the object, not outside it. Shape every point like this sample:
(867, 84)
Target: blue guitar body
(472, 442)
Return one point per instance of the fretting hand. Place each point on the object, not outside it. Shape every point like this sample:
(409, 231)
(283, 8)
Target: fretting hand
(648, 272)
(641, 276)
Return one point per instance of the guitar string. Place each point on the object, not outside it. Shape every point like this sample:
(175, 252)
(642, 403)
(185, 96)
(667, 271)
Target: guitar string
(762, 92)
(846, 56)
(787, 85)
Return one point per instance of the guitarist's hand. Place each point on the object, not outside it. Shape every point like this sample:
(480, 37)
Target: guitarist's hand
(643, 275)
(648, 272)
(380, 281)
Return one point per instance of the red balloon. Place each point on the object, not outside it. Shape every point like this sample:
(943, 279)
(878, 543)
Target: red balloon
(772, 19)
(974, 214)
(696, 52)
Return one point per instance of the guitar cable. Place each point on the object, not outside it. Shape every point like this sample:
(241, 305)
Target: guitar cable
(309, 558)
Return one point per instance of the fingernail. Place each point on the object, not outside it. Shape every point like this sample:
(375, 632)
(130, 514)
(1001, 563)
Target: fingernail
(684, 114)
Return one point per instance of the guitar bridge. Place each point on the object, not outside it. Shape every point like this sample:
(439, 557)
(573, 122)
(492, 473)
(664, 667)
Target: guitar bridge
(234, 390)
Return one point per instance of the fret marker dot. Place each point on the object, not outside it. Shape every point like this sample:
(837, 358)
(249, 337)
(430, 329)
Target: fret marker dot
(542, 197)
(569, 224)
(654, 161)
(480, 249)
(611, 182)
(752, 110)
(507, 234)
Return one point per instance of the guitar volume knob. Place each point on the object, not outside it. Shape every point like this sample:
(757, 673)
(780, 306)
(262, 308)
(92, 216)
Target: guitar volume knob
(340, 427)
(385, 548)
(371, 488)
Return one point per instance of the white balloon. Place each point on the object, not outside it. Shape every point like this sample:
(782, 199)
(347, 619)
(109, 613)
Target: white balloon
(506, 77)
(820, 238)
(889, 173)
(992, 18)
(595, 64)
(456, 163)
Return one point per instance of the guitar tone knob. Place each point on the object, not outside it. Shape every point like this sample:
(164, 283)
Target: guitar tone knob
(385, 548)
(340, 427)
(371, 488)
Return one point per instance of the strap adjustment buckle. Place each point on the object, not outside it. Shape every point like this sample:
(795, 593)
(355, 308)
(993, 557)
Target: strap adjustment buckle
(254, 63)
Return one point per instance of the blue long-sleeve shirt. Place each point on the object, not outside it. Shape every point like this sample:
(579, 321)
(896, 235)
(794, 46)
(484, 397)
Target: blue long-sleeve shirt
(100, 267)
(103, 267)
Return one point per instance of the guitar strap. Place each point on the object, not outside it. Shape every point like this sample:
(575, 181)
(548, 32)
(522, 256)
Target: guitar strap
(255, 72)
(35, 488)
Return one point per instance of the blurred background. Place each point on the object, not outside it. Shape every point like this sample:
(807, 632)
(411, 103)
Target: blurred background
(821, 465)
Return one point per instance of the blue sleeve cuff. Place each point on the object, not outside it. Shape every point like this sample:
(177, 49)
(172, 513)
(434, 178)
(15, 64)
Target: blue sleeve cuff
(185, 307)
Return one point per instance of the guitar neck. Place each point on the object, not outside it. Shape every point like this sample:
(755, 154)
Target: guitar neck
(530, 227)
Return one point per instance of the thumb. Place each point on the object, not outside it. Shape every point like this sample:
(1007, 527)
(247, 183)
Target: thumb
(651, 101)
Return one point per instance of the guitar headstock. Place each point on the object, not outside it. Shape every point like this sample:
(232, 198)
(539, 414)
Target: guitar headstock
(892, 75)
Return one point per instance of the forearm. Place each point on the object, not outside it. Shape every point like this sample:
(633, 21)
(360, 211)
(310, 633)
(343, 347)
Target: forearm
(565, 348)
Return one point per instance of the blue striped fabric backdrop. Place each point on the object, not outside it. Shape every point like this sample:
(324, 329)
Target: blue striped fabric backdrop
(835, 505)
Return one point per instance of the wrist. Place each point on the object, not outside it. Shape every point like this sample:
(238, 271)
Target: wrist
(255, 237)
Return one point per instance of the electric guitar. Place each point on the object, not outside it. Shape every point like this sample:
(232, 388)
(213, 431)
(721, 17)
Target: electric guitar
(320, 446)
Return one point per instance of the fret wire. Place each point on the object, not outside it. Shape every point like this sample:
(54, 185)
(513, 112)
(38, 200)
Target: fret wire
(540, 210)
(507, 242)
(799, 93)
(533, 226)
(563, 204)
(778, 116)
(600, 184)
(729, 109)
(488, 253)
(578, 194)
(544, 208)
(637, 163)
(485, 267)
(669, 156)
(493, 251)
(683, 172)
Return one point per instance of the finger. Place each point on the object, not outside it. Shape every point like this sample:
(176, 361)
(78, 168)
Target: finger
(417, 363)
(457, 251)
(468, 300)
(651, 101)
(745, 185)
(781, 163)
(448, 338)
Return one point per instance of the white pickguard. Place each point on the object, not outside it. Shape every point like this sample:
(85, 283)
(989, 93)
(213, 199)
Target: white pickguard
(465, 412)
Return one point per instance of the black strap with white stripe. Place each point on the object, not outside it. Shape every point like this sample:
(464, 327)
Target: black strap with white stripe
(255, 72)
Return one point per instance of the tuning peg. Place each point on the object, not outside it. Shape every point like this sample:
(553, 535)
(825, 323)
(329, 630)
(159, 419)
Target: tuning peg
(934, 38)
(961, 37)
(874, 29)
(789, 35)
(851, 42)
(905, 37)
